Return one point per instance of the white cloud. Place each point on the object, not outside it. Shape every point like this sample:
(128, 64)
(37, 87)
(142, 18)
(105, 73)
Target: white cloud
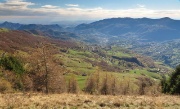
(72, 5)
(141, 6)
(15, 4)
(19, 9)
(49, 6)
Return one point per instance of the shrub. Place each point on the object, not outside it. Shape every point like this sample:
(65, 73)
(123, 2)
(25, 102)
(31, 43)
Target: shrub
(72, 84)
(5, 86)
(93, 83)
(143, 84)
(13, 64)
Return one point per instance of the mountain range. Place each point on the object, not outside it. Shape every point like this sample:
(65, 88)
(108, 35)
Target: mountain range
(143, 29)
(157, 38)
(151, 37)
(52, 31)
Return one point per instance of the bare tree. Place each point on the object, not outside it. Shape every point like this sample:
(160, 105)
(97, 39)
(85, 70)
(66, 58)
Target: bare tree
(113, 85)
(105, 86)
(91, 85)
(143, 83)
(72, 84)
(46, 71)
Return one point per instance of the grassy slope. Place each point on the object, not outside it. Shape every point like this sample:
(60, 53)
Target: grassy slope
(82, 101)
(77, 64)
(80, 61)
(4, 30)
(75, 60)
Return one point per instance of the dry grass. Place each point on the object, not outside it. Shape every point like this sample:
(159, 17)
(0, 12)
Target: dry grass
(81, 101)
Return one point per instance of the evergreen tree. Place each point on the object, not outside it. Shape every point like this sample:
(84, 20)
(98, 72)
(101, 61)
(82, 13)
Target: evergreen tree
(172, 85)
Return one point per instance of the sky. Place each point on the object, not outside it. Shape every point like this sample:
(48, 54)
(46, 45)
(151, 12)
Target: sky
(49, 11)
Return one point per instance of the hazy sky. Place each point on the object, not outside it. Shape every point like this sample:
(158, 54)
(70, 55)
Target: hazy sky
(47, 11)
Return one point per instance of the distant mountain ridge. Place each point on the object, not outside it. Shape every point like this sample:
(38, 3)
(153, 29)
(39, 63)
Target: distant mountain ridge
(54, 27)
(9, 25)
(51, 30)
(17, 26)
(142, 28)
(151, 37)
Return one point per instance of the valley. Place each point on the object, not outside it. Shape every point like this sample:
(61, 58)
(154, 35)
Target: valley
(74, 58)
(157, 38)
(89, 54)
(143, 35)
(123, 58)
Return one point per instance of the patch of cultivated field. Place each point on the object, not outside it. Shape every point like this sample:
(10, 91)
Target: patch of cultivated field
(82, 101)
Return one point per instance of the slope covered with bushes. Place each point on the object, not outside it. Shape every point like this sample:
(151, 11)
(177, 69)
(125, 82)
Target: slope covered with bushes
(56, 66)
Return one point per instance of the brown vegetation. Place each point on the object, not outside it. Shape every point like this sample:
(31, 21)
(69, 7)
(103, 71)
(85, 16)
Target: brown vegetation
(5, 86)
(72, 85)
(108, 84)
(20, 40)
(54, 101)
(44, 74)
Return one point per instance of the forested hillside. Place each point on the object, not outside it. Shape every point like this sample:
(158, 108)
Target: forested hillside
(41, 63)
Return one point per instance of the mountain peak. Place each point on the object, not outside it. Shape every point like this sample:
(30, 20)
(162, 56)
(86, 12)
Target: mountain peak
(166, 18)
(10, 25)
(6, 22)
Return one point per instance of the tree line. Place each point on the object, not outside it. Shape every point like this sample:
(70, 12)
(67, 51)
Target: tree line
(47, 78)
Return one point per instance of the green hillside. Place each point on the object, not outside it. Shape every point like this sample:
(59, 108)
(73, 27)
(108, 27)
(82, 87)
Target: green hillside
(56, 57)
